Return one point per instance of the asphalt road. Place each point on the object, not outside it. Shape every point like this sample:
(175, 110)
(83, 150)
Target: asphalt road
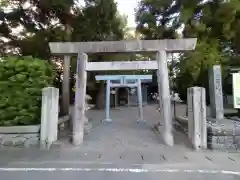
(92, 171)
(71, 165)
(101, 175)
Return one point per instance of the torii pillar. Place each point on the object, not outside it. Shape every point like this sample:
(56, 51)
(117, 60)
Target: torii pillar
(161, 47)
(164, 96)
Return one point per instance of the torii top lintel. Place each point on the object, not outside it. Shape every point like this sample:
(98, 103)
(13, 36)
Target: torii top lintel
(169, 45)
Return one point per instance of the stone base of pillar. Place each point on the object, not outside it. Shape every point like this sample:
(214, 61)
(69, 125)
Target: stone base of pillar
(141, 121)
(156, 128)
(168, 138)
(87, 127)
(85, 120)
(107, 120)
(77, 139)
(43, 145)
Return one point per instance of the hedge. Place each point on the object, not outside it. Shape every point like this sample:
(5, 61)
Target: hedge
(21, 83)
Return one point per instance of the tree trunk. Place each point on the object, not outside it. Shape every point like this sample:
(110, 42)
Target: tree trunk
(66, 77)
(65, 86)
(66, 81)
(101, 97)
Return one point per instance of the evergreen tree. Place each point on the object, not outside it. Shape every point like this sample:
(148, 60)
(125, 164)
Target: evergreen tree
(215, 24)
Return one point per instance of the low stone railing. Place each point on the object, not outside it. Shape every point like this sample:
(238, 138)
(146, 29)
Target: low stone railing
(222, 135)
(44, 134)
(215, 134)
(24, 136)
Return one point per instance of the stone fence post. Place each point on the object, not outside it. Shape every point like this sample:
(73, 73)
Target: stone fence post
(197, 124)
(49, 117)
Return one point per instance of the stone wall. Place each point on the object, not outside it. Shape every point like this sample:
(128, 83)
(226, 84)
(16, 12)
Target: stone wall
(223, 135)
(19, 136)
(19, 140)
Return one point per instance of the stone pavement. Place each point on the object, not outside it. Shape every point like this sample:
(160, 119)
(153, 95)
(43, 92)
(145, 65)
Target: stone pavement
(123, 139)
(124, 133)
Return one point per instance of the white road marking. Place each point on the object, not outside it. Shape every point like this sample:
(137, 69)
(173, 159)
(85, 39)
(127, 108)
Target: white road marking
(60, 162)
(131, 170)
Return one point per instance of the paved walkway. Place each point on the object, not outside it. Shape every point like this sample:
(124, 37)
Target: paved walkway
(125, 134)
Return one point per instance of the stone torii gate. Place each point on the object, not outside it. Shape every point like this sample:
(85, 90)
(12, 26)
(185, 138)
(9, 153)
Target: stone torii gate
(160, 47)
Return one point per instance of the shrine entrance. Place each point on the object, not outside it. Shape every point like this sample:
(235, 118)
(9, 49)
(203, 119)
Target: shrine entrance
(122, 94)
(121, 82)
(159, 47)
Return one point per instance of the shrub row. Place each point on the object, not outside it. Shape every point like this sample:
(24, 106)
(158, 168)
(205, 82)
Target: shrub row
(21, 83)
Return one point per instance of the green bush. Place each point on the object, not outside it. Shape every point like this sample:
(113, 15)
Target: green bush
(21, 83)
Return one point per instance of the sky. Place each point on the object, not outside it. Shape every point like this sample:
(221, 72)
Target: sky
(127, 7)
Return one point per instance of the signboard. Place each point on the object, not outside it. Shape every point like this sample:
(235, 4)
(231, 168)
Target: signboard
(236, 90)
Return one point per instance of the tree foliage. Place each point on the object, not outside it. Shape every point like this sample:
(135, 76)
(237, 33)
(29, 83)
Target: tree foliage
(154, 19)
(215, 23)
(217, 28)
(21, 82)
(27, 26)
(100, 21)
(194, 66)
